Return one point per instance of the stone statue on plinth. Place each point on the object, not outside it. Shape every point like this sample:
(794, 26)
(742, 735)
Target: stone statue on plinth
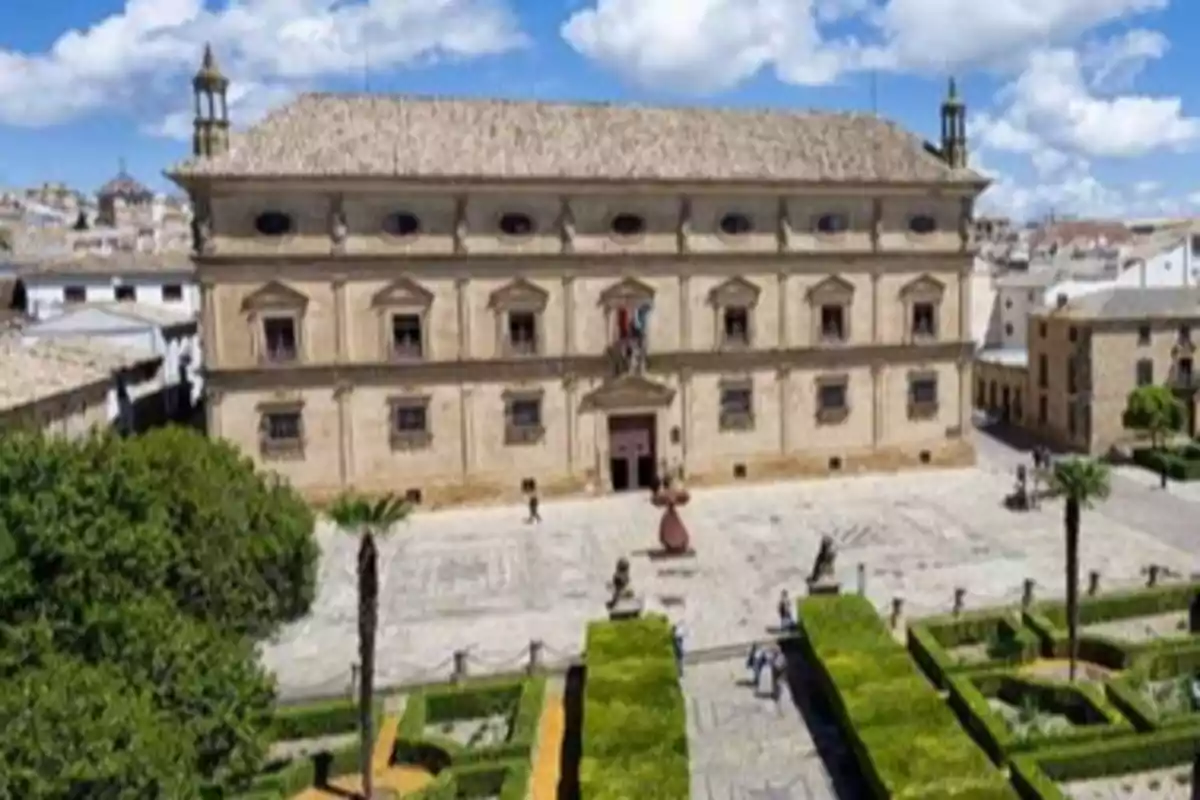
(822, 579)
(623, 603)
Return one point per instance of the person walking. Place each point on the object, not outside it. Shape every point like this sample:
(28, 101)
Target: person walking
(786, 621)
(677, 634)
(778, 670)
(534, 514)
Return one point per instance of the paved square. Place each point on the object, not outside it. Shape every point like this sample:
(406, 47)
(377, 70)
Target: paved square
(484, 580)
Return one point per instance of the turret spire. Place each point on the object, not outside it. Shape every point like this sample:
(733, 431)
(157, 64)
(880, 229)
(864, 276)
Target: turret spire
(211, 126)
(954, 127)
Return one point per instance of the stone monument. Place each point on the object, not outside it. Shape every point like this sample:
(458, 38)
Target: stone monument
(672, 533)
(623, 604)
(822, 580)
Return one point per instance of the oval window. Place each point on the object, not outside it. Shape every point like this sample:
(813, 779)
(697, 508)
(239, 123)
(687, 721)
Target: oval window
(922, 224)
(273, 223)
(402, 223)
(735, 224)
(832, 223)
(516, 224)
(628, 225)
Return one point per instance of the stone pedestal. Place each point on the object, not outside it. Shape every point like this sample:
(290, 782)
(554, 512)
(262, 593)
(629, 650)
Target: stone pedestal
(827, 585)
(626, 608)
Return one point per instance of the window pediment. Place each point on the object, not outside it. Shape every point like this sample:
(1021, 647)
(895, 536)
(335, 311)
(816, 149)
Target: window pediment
(834, 288)
(926, 287)
(275, 296)
(519, 295)
(736, 291)
(627, 292)
(403, 293)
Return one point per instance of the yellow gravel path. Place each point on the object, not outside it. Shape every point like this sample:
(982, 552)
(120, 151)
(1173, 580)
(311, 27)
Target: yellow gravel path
(544, 782)
(404, 779)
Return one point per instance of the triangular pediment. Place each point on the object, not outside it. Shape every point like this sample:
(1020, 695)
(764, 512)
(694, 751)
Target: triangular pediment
(275, 295)
(519, 293)
(736, 291)
(924, 286)
(628, 391)
(403, 292)
(832, 286)
(629, 291)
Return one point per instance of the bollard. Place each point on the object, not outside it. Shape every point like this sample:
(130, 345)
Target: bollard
(862, 578)
(1093, 583)
(1152, 573)
(1027, 594)
(897, 611)
(960, 595)
(535, 656)
(460, 666)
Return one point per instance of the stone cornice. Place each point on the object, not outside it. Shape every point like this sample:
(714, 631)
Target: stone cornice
(515, 370)
(247, 267)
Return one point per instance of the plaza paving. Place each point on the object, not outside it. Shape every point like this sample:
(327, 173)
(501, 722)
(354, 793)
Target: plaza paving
(483, 580)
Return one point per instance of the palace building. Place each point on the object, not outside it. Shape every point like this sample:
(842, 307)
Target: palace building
(463, 300)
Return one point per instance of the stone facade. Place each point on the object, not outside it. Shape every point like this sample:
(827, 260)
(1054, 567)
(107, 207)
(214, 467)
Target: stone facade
(463, 340)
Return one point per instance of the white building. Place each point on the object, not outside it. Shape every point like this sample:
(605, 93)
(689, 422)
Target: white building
(48, 287)
(140, 331)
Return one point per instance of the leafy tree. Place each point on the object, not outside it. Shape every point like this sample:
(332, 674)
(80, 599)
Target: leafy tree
(155, 562)
(368, 519)
(1156, 413)
(75, 731)
(1080, 482)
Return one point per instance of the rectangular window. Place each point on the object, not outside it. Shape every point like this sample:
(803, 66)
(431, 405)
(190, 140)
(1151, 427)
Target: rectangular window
(832, 401)
(1144, 335)
(737, 408)
(980, 393)
(523, 423)
(522, 333)
(279, 339)
(736, 327)
(1043, 371)
(406, 336)
(74, 294)
(1043, 410)
(281, 433)
(1072, 421)
(924, 320)
(409, 423)
(833, 323)
(172, 293)
(126, 294)
(1072, 377)
(1042, 330)
(1145, 372)
(922, 396)
(1185, 371)
(1072, 334)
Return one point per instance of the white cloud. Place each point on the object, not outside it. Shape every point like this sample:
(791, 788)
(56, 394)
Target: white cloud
(1051, 105)
(708, 45)
(139, 58)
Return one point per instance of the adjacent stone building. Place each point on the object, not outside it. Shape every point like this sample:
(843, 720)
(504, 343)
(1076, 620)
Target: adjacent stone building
(1086, 355)
(467, 299)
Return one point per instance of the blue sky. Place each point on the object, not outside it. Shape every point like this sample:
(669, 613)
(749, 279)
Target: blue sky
(1080, 106)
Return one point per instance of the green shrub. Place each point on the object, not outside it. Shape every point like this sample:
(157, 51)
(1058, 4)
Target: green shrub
(1008, 641)
(1181, 463)
(1037, 775)
(906, 741)
(1124, 691)
(1084, 704)
(634, 718)
(323, 718)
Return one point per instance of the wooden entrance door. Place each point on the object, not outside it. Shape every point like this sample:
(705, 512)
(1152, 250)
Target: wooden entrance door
(631, 451)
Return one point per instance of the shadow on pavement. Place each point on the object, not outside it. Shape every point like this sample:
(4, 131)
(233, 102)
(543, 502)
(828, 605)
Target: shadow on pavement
(833, 750)
(572, 745)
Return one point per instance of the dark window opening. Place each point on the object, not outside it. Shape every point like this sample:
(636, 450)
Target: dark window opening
(516, 224)
(74, 294)
(126, 294)
(522, 332)
(924, 319)
(833, 323)
(628, 225)
(922, 224)
(402, 223)
(273, 223)
(736, 325)
(279, 339)
(833, 223)
(172, 293)
(406, 336)
(735, 224)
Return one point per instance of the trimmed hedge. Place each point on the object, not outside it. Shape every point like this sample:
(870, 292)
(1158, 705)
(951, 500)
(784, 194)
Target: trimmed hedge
(1180, 463)
(634, 719)
(1125, 693)
(906, 741)
(323, 718)
(1084, 703)
(283, 780)
(1037, 775)
(1009, 641)
(522, 698)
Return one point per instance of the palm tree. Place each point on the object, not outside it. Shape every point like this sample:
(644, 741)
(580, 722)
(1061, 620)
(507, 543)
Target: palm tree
(1079, 482)
(367, 519)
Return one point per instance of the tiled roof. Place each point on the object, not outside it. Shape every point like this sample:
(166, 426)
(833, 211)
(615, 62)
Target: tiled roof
(371, 135)
(42, 369)
(126, 186)
(1134, 304)
(114, 264)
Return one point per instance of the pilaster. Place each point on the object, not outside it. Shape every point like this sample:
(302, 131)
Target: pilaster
(341, 321)
(878, 406)
(568, 291)
(876, 309)
(462, 301)
(571, 392)
(784, 314)
(783, 381)
(685, 313)
(211, 334)
(466, 430)
(685, 418)
(212, 412)
(343, 394)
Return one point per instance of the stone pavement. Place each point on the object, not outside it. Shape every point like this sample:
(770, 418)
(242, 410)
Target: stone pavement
(746, 747)
(484, 580)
